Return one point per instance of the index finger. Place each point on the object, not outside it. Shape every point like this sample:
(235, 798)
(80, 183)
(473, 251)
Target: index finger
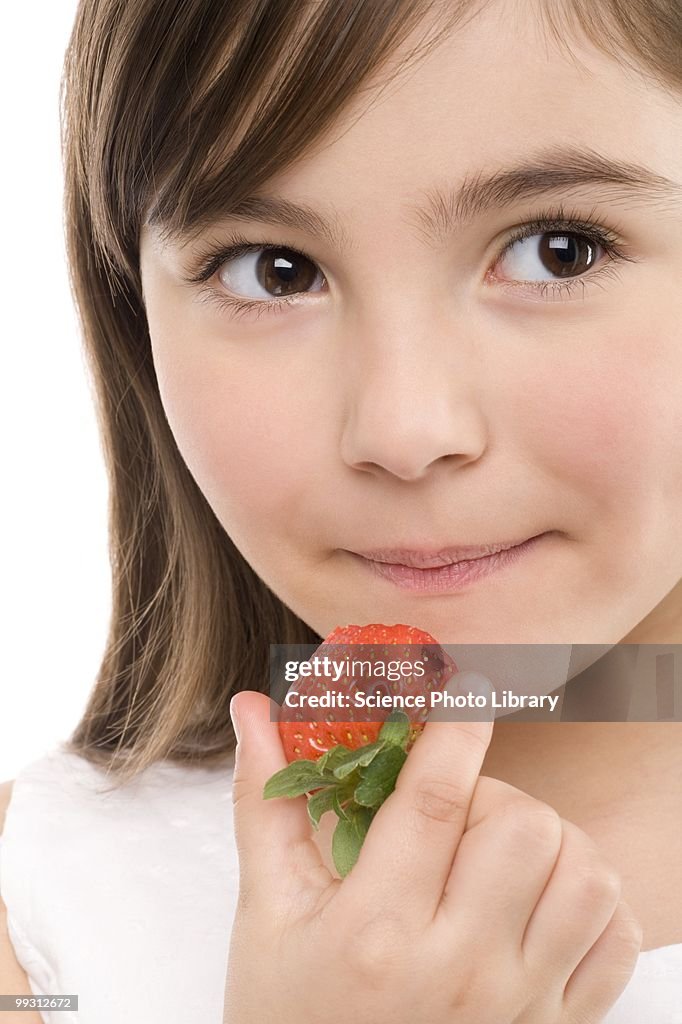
(408, 851)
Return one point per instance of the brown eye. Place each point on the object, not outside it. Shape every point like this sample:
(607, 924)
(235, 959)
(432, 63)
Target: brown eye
(566, 255)
(550, 256)
(277, 271)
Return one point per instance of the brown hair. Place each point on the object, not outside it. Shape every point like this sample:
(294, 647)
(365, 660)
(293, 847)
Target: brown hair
(151, 91)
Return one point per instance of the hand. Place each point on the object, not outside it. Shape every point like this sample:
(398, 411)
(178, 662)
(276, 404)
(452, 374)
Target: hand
(470, 903)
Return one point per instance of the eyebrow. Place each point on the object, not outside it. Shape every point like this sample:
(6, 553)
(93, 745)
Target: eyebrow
(442, 211)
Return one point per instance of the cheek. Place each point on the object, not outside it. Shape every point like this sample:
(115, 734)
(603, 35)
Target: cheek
(243, 443)
(610, 428)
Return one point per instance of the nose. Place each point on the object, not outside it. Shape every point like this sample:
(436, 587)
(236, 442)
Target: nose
(412, 403)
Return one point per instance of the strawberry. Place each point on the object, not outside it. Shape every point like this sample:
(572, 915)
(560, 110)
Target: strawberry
(351, 766)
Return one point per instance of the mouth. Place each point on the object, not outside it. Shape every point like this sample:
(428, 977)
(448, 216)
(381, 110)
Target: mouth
(448, 568)
(420, 558)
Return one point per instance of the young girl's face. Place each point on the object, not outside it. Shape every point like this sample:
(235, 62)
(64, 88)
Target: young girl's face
(425, 390)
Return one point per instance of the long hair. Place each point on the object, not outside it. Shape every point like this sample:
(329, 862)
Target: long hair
(173, 111)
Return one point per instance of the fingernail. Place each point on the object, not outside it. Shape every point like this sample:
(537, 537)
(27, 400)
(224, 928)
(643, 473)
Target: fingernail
(235, 717)
(476, 683)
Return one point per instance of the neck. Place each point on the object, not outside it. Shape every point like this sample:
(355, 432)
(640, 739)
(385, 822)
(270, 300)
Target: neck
(612, 735)
(663, 624)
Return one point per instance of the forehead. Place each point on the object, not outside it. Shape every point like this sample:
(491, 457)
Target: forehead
(490, 93)
(498, 89)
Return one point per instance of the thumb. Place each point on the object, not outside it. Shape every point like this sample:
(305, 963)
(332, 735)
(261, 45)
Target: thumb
(270, 835)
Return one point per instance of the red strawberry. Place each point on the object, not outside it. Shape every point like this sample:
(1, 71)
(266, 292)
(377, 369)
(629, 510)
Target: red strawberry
(351, 766)
(310, 739)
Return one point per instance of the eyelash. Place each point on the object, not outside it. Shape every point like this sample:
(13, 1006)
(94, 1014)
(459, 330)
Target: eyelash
(210, 259)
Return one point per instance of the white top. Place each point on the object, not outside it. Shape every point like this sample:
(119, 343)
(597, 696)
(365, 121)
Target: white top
(127, 898)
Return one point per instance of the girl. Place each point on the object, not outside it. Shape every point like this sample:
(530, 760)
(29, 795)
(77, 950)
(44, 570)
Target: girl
(482, 201)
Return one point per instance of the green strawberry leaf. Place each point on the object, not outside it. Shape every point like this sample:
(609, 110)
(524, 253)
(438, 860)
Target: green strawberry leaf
(368, 795)
(379, 777)
(395, 729)
(360, 757)
(335, 756)
(336, 803)
(320, 803)
(297, 778)
(348, 838)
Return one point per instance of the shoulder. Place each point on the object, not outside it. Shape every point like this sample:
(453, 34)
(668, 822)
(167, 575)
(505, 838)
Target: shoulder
(5, 795)
(14, 977)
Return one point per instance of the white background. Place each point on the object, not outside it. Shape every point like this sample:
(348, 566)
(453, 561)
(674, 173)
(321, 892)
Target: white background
(55, 581)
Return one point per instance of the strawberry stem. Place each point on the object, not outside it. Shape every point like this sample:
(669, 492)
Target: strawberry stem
(352, 783)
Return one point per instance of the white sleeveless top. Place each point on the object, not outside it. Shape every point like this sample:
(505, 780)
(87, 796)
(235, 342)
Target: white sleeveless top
(127, 898)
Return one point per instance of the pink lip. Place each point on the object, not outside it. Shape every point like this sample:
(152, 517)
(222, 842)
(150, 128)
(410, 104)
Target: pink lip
(434, 558)
(450, 575)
